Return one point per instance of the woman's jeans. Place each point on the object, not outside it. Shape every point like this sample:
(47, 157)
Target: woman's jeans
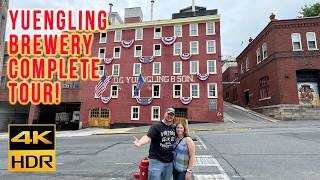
(178, 175)
(159, 170)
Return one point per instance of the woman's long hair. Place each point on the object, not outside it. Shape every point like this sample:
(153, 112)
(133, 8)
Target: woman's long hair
(185, 131)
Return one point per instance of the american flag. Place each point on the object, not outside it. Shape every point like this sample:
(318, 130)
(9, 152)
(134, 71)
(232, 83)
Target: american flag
(101, 86)
(139, 85)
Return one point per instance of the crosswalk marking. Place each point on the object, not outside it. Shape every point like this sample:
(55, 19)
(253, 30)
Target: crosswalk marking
(210, 177)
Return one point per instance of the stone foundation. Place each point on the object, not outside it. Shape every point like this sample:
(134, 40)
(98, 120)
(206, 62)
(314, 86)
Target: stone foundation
(290, 112)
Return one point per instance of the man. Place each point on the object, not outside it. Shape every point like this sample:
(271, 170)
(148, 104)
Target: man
(162, 136)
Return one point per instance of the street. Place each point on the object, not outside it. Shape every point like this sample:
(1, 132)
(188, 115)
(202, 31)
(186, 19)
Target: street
(248, 147)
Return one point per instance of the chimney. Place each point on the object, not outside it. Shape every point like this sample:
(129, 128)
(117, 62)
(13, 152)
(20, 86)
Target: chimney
(250, 39)
(272, 17)
(133, 15)
(152, 3)
(193, 6)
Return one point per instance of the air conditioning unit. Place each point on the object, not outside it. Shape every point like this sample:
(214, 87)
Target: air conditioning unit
(66, 86)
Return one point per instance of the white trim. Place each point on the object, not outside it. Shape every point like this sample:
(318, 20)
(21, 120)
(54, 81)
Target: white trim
(152, 108)
(114, 52)
(258, 58)
(264, 48)
(263, 99)
(173, 90)
(101, 35)
(214, 28)
(174, 67)
(115, 32)
(104, 56)
(134, 65)
(215, 66)
(214, 47)
(156, 97)
(247, 64)
(191, 47)
(174, 30)
(292, 34)
(154, 32)
(113, 66)
(216, 90)
(191, 31)
(153, 65)
(132, 91)
(154, 49)
(197, 67)
(134, 53)
(135, 119)
(116, 96)
(198, 95)
(174, 48)
(135, 34)
(315, 39)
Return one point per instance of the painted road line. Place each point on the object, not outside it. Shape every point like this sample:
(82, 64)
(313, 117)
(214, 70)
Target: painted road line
(201, 142)
(228, 117)
(205, 161)
(124, 163)
(210, 177)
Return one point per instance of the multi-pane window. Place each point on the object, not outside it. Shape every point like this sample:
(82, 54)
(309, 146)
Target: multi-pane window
(258, 54)
(94, 113)
(211, 67)
(102, 53)
(296, 41)
(117, 36)
(194, 47)
(193, 29)
(194, 67)
(117, 52)
(177, 68)
(139, 34)
(194, 90)
(210, 28)
(211, 46)
(134, 86)
(247, 64)
(264, 51)
(156, 69)
(135, 111)
(114, 91)
(155, 113)
(264, 87)
(116, 69)
(177, 48)
(157, 33)
(103, 37)
(136, 69)
(137, 50)
(177, 90)
(312, 41)
(157, 49)
(178, 30)
(212, 90)
(156, 90)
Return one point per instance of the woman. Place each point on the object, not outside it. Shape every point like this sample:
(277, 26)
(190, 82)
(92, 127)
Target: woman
(184, 153)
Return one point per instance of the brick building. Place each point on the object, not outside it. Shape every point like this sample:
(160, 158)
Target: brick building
(178, 58)
(279, 71)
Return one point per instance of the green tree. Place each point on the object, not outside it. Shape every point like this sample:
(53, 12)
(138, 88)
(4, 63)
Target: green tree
(310, 10)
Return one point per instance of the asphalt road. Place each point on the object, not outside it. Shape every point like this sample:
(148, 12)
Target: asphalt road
(245, 147)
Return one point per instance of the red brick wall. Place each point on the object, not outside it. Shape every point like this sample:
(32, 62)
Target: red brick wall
(121, 107)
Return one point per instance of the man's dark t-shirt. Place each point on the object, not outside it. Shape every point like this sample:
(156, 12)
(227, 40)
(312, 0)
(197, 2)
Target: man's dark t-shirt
(162, 138)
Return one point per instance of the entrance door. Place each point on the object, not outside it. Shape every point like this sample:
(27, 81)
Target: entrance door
(99, 117)
(246, 98)
(181, 115)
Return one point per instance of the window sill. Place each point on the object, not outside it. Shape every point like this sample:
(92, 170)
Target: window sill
(134, 119)
(212, 97)
(263, 99)
(297, 50)
(102, 42)
(155, 119)
(313, 49)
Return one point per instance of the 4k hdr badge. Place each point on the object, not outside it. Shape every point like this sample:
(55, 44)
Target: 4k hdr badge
(32, 148)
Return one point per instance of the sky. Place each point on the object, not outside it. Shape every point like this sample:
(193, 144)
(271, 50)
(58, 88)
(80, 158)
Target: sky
(240, 19)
